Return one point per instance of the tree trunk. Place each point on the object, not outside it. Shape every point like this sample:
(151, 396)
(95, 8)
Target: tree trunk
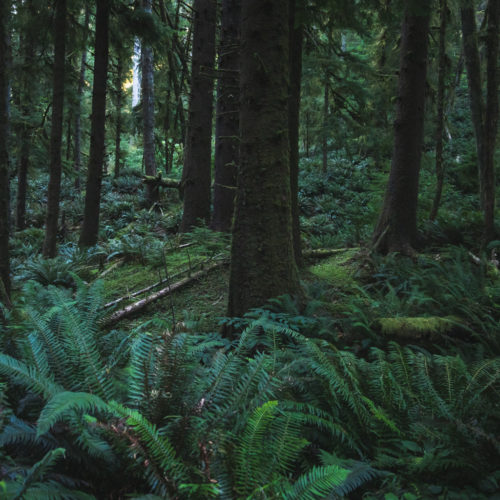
(396, 230)
(77, 135)
(54, 190)
(118, 124)
(326, 105)
(25, 132)
(148, 113)
(90, 227)
(196, 175)
(4, 158)
(262, 258)
(227, 145)
(295, 48)
(440, 110)
(473, 66)
(491, 118)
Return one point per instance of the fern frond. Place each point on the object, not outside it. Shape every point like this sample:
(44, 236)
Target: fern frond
(317, 483)
(65, 404)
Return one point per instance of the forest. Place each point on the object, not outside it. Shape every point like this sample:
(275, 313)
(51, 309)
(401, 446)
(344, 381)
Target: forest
(249, 249)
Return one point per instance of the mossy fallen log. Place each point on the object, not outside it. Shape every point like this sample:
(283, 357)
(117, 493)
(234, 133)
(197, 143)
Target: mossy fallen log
(422, 328)
(159, 181)
(326, 252)
(141, 304)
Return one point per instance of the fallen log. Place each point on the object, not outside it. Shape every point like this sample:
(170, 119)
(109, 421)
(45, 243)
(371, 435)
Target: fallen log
(151, 287)
(326, 252)
(158, 181)
(141, 304)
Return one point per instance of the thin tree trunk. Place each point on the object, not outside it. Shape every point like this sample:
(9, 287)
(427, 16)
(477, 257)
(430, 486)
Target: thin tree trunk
(473, 65)
(148, 113)
(90, 227)
(295, 50)
(396, 230)
(77, 135)
(4, 158)
(491, 118)
(25, 132)
(326, 105)
(54, 190)
(227, 145)
(262, 256)
(118, 124)
(196, 175)
(440, 110)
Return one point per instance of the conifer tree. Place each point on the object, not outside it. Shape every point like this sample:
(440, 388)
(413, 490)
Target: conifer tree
(396, 230)
(4, 157)
(262, 256)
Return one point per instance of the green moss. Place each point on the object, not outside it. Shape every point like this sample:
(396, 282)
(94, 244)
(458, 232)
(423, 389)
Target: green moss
(338, 270)
(416, 328)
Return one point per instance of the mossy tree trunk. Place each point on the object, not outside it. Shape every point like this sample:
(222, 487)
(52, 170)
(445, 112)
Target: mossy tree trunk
(26, 128)
(148, 112)
(491, 117)
(262, 257)
(4, 156)
(396, 230)
(227, 145)
(296, 36)
(90, 227)
(55, 168)
(442, 70)
(77, 134)
(118, 114)
(196, 175)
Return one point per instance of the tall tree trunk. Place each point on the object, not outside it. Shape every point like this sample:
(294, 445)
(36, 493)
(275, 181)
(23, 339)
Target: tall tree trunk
(25, 133)
(196, 174)
(295, 50)
(90, 227)
(54, 190)
(440, 110)
(324, 132)
(491, 118)
(262, 257)
(473, 66)
(77, 135)
(148, 113)
(396, 230)
(118, 124)
(4, 158)
(227, 146)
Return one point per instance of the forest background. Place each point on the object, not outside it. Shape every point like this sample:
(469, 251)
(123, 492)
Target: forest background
(248, 249)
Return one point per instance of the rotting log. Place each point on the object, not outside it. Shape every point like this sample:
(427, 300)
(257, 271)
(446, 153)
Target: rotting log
(150, 287)
(430, 328)
(159, 182)
(141, 304)
(326, 252)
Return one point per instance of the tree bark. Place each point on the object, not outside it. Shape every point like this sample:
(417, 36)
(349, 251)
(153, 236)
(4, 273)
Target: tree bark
(148, 113)
(196, 175)
(262, 257)
(227, 146)
(324, 131)
(295, 49)
(77, 135)
(26, 131)
(90, 227)
(440, 110)
(491, 118)
(4, 157)
(118, 124)
(55, 168)
(396, 230)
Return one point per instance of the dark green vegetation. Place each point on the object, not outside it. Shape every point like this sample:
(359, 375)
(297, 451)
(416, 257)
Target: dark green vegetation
(337, 338)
